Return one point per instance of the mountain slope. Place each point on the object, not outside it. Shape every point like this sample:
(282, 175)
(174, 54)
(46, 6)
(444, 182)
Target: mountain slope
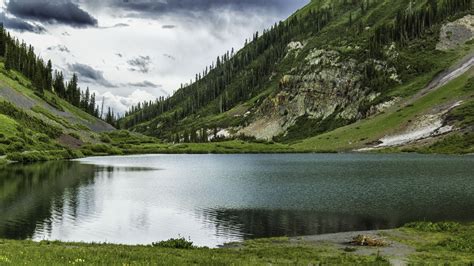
(331, 64)
(41, 127)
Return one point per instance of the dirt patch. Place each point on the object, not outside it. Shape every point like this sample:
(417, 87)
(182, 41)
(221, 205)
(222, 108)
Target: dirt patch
(70, 141)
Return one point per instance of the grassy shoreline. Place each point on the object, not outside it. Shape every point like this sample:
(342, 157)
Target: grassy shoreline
(423, 242)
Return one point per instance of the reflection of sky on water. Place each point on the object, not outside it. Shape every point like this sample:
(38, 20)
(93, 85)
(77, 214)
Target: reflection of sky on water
(215, 199)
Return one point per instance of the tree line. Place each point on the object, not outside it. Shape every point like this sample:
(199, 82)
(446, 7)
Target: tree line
(21, 57)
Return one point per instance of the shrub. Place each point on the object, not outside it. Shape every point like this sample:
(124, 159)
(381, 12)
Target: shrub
(178, 243)
(100, 149)
(43, 138)
(16, 147)
(105, 138)
(3, 151)
(75, 135)
(34, 156)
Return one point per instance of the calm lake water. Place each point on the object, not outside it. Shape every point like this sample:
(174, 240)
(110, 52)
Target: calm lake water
(214, 199)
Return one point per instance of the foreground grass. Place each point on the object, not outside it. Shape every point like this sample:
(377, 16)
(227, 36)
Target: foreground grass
(440, 243)
(261, 252)
(433, 243)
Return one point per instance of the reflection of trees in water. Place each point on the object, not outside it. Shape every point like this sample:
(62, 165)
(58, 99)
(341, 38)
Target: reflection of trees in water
(33, 194)
(257, 223)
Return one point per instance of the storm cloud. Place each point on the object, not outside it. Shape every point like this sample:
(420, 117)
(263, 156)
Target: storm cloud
(20, 25)
(161, 6)
(90, 75)
(51, 11)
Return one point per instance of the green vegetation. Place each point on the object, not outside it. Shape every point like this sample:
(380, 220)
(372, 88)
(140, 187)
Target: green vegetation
(179, 243)
(125, 142)
(259, 252)
(439, 243)
(432, 243)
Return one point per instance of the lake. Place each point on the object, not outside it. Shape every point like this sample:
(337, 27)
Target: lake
(214, 199)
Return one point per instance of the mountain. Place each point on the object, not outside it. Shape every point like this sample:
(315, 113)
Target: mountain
(337, 75)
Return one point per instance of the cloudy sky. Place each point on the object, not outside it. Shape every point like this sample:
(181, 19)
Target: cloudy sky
(128, 51)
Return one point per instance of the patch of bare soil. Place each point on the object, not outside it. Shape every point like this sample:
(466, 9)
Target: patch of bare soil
(70, 141)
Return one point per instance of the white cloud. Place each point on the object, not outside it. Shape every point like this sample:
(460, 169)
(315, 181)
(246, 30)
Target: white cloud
(120, 104)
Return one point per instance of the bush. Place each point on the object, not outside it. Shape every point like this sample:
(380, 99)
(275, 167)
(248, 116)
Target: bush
(75, 135)
(16, 147)
(39, 156)
(105, 138)
(35, 156)
(43, 138)
(100, 149)
(3, 151)
(178, 243)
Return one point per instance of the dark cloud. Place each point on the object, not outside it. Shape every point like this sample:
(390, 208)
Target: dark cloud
(140, 64)
(20, 25)
(144, 84)
(152, 8)
(90, 75)
(160, 6)
(51, 11)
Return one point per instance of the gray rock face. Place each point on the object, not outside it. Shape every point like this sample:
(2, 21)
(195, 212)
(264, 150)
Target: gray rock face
(456, 33)
(326, 84)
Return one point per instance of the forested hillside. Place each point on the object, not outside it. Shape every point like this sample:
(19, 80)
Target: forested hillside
(331, 64)
(42, 117)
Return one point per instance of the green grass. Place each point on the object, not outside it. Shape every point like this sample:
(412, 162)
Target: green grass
(440, 243)
(263, 252)
(7, 125)
(457, 143)
(432, 243)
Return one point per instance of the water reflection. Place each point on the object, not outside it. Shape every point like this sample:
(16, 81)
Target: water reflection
(217, 199)
(38, 193)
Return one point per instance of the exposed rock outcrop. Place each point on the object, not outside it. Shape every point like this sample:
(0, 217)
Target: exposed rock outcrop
(456, 33)
(325, 84)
